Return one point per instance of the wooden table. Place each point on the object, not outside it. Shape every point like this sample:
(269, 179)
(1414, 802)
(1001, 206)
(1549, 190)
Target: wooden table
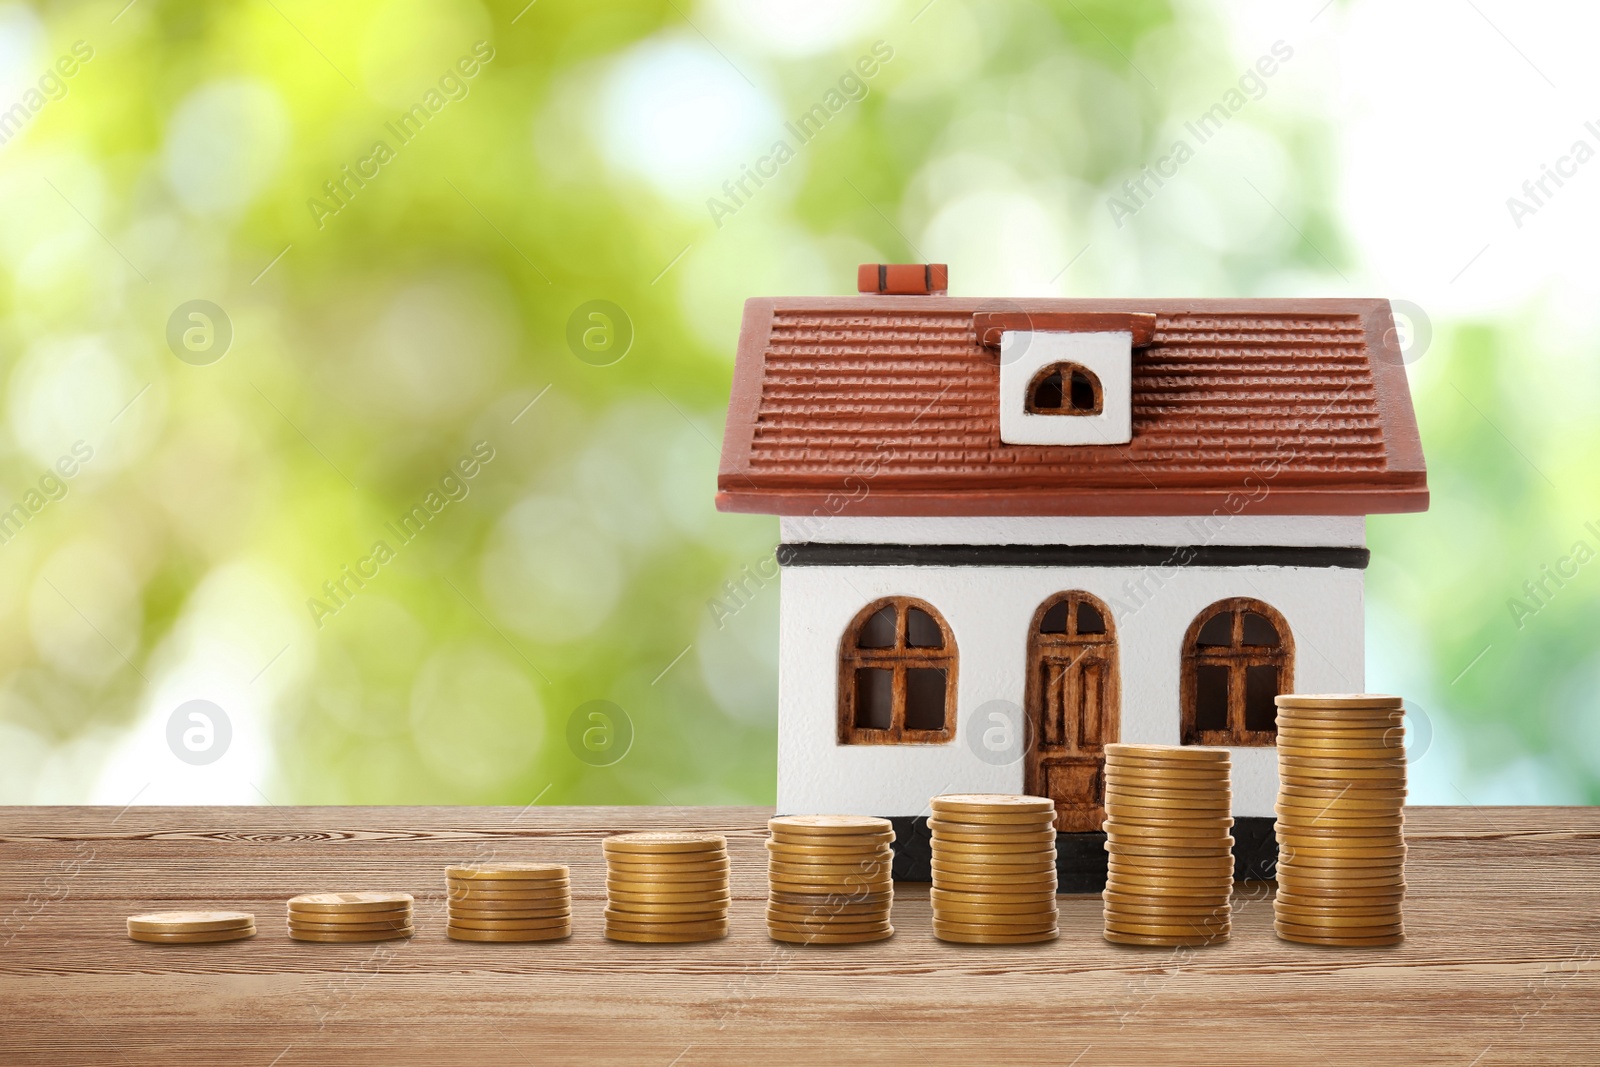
(1500, 965)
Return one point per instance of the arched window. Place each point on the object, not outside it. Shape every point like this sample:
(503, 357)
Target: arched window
(1237, 656)
(1065, 389)
(897, 676)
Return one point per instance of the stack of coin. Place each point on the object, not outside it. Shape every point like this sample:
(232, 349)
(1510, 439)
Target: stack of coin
(508, 902)
(994, 868)
(1341, 849)
(191, 927)
(1168, 813)
(666, 887)
(350, 916)
(829, 879)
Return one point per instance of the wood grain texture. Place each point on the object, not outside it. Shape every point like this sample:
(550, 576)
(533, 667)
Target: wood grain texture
(1500, 966)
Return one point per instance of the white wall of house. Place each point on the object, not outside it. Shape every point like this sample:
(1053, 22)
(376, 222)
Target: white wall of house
(989, 610)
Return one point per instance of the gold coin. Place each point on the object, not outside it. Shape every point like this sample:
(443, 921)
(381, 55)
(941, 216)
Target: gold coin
(1336, 818)
(550, 900)
(995, 821)
(853, 885)
(661, 939)
(520, 886)
(1165, 912)
(544, 923)
(1183, 836)
(636, 883)
(1380, 731)
(656, 841)
(1132, 846)
(854, 912)
(1167, 775)
(193, 937)
(1192, 894)
(500, 872)
(969, 923)
(830, 851)
(350, 928)
(335, 936)
(189, 922)
(350, 901)
(822, 898)
(943, 927)
(1341, 942)
(1175, 864)
(1334, 836)
(1338, 700)
(958, 896)
(1120, 938)
(1128, 780)
(994, 871)
(1343, 798)
(1153, 926)
(1358, 900)
(969, 852)
(808, 938)
(1134, 824)
(1209, 807)
(677, 907)
(1316, 764)
(629, 893)
(959, 832)
(1129, 876)
(1044, 888)
(509, 913)
(1389, 746)
(1361, 880)
(780, 922)
(1000, 912)
(1379, 929)
(995, 939)
(1332, 854)
(991, 802)
(1186, 753)
(843, 865)
(672, 914)
(670, 920)
(634, 863)
(1370, 920)
(1111, 896)
(462, 933)
(830, 824)
(391, 915)
(717, 928)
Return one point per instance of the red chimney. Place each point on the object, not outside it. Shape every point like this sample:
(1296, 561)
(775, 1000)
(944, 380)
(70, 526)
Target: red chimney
(903, 279)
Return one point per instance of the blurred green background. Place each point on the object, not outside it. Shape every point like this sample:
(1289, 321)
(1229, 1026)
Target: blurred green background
(385, 301)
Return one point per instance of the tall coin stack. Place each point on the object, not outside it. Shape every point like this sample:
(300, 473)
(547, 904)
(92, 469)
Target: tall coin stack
(1170, 876)
(994, 868)
(350, 916)
(663, 887)
(508, 902)
(1341, 846)
(829, 879)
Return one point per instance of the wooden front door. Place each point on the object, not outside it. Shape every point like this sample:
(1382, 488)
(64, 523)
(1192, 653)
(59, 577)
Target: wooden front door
(1073, 707)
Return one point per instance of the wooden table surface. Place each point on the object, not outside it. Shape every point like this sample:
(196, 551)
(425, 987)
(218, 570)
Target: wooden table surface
(1503, 918)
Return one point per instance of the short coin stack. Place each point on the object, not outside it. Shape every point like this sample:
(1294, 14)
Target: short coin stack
(508, 902)
(829, 879)
(350, 916)
(664, 887)
(191, 927)
(1168, 813)
(1341, 848)
(994, 868)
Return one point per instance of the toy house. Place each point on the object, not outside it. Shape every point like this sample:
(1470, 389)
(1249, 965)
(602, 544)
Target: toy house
(1015, 530)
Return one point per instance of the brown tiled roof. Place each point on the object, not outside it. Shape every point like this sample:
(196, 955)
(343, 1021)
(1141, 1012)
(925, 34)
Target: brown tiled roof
(891, 402)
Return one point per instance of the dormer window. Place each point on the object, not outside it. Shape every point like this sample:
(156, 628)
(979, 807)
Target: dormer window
(1065, 389)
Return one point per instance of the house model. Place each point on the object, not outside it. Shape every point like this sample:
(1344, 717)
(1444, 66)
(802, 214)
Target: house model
(1016, 530)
